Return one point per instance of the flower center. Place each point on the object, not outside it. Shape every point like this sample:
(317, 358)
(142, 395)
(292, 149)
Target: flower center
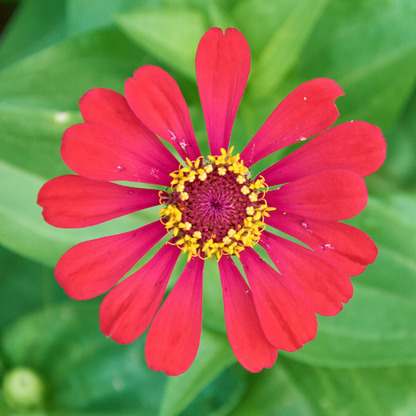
(214, 206)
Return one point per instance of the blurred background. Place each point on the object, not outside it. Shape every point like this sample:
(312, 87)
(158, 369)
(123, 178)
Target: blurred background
(53, 359)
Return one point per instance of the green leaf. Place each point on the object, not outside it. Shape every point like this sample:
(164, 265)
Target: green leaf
(34, 144)
(170, 35)
(35, 25)
(272, 392)
(259, 19)
(57, 77)
(92, 14)
(283, 49)
(218, 16)
(213, 302)
(24, 286)
(401, 143)
(23, 230)
(85, 371)
(377, 327)
(373, 63)
(214, 355)
(356, 391)
(220, 396)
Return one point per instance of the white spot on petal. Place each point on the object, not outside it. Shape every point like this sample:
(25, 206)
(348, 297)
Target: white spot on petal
(172, 135)
(154, 171)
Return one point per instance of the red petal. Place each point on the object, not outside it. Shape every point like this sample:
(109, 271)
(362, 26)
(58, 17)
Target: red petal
(347, 246)
(247, 339)
(156, 99)
(305, 112)
(173, 338)
(356, 146)
(286, 317)
(93, 267)
(320, 280)
(97, 152)
(106, 107)
(222, 68)
(129, 308)
(73, 201)
(335, 194)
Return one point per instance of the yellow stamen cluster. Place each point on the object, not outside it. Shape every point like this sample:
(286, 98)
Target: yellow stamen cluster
(184, 216)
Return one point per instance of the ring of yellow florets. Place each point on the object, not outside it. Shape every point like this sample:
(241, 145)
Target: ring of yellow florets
(214, 207)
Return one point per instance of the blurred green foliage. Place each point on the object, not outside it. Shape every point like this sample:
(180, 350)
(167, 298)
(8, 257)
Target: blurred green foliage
(52, 51)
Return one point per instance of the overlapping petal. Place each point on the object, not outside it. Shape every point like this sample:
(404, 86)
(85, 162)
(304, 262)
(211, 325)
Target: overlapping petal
(156, 99)
(115, 158)
(247, 339)
(222, 69)
(305, 112)
(93, 267)
(322, 282)
(287, 318)
(347, 246)
(335, 194)
(129, 308)
(173, 338)
(72, 201)
(357, 146)
(109, 108)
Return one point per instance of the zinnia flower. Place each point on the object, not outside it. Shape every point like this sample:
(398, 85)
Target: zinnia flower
(213, 210)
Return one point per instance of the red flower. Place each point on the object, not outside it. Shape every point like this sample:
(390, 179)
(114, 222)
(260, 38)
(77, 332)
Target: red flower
(214, 208)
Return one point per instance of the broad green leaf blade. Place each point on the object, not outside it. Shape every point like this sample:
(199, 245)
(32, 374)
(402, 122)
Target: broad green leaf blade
(170, 35)
(220, 396)
(57, 77)
(258, 20)
(93, 14)
(33, 145)
(272, 392)
(284, 48)
(214, 356)
(219, 17)
(23, 230)
(383, 101)
(35, 25)
(373, 63)
(24, 286)
(377, 327)
(400, 164)
(213, 302)
(356, 391)
(86, 372)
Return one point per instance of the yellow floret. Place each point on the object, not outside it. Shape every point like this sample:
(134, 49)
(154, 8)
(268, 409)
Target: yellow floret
(184, 196)
(197, 235)
(252, 197)
(245, 190)
(208, 168)
(241, 179)
(250, 211)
